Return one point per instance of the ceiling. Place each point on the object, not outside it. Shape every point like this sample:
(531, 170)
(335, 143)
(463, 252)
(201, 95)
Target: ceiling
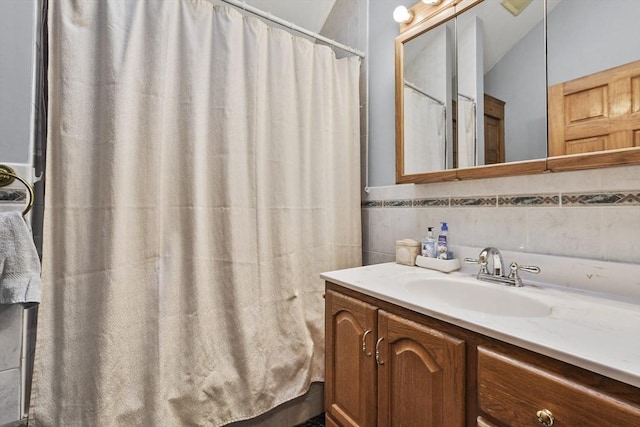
(312, 14)
(503, 30)
(309, 14)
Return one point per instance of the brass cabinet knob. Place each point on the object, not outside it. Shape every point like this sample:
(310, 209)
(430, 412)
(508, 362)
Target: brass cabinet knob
(545, 417)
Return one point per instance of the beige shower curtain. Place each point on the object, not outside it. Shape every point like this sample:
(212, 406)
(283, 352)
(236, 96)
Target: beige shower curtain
(202, 170)
(424, 133)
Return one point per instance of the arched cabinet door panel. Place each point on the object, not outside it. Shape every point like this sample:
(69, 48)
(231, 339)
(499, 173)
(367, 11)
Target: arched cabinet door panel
(350, 378)
(420, 375)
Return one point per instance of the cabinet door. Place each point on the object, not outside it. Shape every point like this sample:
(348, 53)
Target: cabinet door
(420, 375)
(350, 378)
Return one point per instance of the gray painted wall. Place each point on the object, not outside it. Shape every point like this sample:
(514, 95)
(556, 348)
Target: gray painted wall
(17, 21)
(593, 35)
(584, 36)
(382, 135)
(519, 80)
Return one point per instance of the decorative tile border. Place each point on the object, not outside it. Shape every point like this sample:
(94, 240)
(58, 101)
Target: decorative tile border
(472, 201)
(12, 195)
(530, 200)
(601, 199)
(614, 198)
(439, 202)
(407, 203)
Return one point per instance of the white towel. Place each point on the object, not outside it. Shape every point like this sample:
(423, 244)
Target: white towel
(19, 263)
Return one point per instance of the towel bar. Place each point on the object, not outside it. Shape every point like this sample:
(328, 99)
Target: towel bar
(7, 176)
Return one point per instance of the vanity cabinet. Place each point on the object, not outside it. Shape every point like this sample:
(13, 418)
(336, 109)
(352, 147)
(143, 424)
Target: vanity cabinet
(390, 366)
(386, 370)
(350, 374)
(514, 391)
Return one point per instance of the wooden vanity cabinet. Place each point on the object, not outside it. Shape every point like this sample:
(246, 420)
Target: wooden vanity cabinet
(386, 370)
(513, 390)
(432, 373)
(420, 375)
(350, 374)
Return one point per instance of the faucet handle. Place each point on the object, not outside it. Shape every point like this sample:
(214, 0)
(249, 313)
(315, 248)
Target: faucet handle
(514, 267)
(529, 268)
(513, 274)
(482, 261)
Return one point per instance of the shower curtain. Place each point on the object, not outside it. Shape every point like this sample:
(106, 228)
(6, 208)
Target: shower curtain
(467, 139)
(202, 170)
(424, 135)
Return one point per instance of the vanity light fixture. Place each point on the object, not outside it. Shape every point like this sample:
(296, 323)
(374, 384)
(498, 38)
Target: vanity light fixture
(422, 11)
(402, 15)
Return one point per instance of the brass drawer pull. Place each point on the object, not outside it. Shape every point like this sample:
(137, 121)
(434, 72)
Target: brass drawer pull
(545, 417)
(364, 343)
(379, 360)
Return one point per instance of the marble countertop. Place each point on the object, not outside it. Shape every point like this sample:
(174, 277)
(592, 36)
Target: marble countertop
(598, 334)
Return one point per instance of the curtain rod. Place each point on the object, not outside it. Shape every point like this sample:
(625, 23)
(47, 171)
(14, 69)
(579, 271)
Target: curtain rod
(467, 97)
(243, 5)
(422, 92)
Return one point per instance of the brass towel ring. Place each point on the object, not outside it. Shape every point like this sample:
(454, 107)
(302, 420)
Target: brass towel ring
(7, 176)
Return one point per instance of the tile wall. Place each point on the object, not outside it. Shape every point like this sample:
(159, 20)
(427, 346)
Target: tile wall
(591, 214)
(10, 362)
(12, 198)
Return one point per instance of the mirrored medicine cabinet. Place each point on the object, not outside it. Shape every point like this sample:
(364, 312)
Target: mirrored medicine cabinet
(488, 88)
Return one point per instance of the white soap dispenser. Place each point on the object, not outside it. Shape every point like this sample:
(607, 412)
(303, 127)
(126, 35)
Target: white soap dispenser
(429, 244)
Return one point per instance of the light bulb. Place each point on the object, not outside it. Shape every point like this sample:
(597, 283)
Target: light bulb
(402, 15)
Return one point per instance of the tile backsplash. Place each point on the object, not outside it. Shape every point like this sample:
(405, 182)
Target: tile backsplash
(593, 214)
(9, 396)
(10, 359)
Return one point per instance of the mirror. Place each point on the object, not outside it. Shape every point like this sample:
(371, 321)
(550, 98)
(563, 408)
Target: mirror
(471, 88)
(501, 101)
(428, 100)
(594, 76)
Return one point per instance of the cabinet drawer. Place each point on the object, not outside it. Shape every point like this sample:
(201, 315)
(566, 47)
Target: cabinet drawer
(512, 392)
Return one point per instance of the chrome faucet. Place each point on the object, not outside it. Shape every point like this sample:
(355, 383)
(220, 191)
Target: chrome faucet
(491, 259)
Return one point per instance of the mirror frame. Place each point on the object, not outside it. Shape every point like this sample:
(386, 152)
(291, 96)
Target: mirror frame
(427, 17)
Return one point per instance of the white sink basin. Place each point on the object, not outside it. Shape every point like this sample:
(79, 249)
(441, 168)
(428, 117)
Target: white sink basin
(470, 294)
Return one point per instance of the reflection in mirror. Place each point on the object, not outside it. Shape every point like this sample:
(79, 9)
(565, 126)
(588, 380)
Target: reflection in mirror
(594, 76)
(498, 111)
(427, 91)
(501, 102)
(473, 90)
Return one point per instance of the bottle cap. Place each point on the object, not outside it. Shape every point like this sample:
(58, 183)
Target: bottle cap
(444, 226)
